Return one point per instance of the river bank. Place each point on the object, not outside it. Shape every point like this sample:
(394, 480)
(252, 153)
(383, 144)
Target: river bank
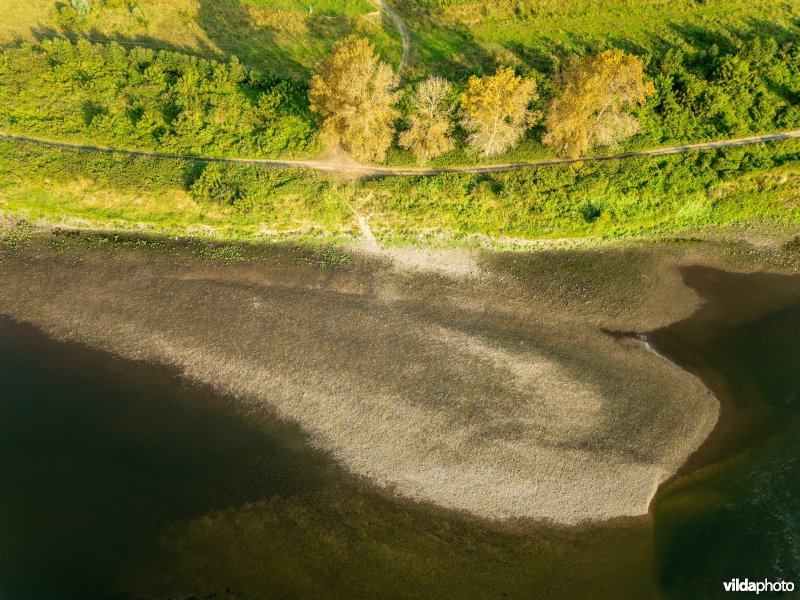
(123, 480)
(500, 361)
(497, 395)
(732, 508)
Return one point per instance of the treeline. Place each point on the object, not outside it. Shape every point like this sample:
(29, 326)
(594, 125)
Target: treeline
(744, 86)
(150, 99)
(174, 102)
(591, 101)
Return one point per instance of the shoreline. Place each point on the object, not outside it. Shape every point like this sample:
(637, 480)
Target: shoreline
(274, 487)
(23, 331)
(734, 422)
(480, 349)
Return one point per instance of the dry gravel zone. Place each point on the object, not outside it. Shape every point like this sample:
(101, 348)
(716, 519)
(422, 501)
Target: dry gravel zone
(497, 392)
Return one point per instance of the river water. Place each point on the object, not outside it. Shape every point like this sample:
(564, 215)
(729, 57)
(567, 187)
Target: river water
(734, 511)
(119, 479)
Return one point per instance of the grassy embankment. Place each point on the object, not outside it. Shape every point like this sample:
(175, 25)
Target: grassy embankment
(721, 69)
(94, 189)
(629, 198)
(269, 34)
(470, 35)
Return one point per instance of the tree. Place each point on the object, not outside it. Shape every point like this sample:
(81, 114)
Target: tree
(352, 90)
(497, 110)
(590, 102)
(81, 6)
(431, 122)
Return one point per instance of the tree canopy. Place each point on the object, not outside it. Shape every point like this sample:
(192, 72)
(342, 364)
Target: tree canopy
(497, 110)
(353, 92)
(591, 97)
(431, 126)
(151, 99)
(140, 98)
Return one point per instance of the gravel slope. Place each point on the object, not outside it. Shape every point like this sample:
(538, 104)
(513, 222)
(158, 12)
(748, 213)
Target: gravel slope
(497, 394)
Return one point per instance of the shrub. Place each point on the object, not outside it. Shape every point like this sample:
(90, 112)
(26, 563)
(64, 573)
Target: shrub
(154, 100)
(82, 7)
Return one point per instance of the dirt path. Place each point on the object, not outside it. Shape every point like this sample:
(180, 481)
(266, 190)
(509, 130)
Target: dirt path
(402, 29)
(369, 240)
(357, 169)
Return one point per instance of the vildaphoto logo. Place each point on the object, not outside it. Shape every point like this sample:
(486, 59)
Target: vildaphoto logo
(745, 585)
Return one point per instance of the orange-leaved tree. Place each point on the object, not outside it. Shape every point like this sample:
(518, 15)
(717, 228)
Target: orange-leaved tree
(497, 110)
(353, 92)
(591, 100)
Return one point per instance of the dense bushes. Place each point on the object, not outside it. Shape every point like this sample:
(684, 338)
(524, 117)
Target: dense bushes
(253, 189)
(750, 86)
(637, 196)
(169, 101)
(246, 189)
(176, 196)
(174, 102)
(613, 198)
(151, 99)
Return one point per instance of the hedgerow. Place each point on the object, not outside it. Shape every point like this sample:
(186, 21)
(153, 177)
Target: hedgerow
(152, 99)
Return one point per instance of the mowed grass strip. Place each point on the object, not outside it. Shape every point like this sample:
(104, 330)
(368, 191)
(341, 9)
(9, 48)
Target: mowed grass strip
(282, 35)
(469, 36)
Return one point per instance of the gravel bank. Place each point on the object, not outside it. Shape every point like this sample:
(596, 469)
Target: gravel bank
(497, 394)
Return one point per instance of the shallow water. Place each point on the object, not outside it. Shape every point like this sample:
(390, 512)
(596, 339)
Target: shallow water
(735, 510)
(98, 454)
(120, 480)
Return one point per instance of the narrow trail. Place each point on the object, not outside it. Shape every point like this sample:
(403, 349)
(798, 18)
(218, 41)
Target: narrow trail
(368, 239)
(360, 170)
(402, 28)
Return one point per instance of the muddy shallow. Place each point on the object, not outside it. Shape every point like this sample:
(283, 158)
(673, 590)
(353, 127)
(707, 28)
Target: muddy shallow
(488, 395)
(126, 480)
(121, 480)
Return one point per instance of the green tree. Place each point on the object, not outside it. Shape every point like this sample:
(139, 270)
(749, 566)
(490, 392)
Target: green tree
(497, 110)
(82, 7)
(353, 92)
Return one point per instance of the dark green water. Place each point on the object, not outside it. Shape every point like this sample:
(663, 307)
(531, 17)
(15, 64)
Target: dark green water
(98, 455)
(735, 511)
(120, 480)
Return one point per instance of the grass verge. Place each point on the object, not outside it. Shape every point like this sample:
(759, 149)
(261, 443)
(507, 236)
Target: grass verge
(632, 198)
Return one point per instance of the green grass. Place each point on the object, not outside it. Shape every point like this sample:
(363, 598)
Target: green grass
(721, 68)
(640, 197)
(115, 211)
(452, 38)
(115, 192)
(715, 67)
(277, 34)
(474, 35)
(635, 198)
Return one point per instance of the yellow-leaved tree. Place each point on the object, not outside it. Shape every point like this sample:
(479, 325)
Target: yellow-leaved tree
(431, 125)
(353, 92)
(497, 110)
(591, 98)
